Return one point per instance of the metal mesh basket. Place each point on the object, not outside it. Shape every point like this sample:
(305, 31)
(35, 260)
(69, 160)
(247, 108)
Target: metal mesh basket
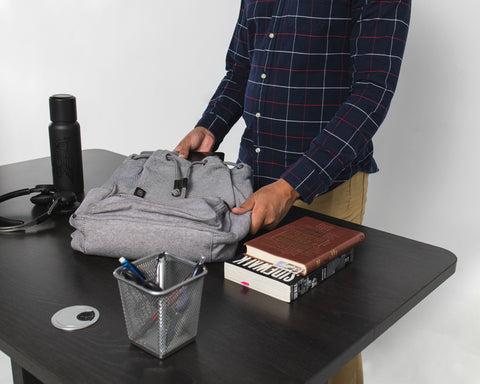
(161, 322)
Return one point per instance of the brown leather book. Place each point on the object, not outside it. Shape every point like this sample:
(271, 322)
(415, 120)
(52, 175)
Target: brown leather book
(306, 243)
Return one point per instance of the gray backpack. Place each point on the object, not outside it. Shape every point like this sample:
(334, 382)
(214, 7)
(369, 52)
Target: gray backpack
(157, 201)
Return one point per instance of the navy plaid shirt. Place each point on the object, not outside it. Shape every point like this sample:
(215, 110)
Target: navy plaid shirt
(313, 80)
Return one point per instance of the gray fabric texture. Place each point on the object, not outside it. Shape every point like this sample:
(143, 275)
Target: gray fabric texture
(113, 221)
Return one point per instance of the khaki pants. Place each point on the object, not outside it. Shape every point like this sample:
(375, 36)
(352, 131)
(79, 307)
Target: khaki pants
(346, 202)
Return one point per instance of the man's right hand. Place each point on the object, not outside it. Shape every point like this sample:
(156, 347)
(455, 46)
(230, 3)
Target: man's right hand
(199, 139)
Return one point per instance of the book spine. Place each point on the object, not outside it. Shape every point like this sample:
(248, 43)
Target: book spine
(306, 283)
(311, 280)
(333, 254)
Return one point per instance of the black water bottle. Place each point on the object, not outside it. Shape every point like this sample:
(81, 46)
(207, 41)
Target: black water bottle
(65, 144)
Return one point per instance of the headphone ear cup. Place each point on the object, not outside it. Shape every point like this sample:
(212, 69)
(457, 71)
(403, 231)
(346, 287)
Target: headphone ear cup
(42, 199)
(67, 198)
(67, 202)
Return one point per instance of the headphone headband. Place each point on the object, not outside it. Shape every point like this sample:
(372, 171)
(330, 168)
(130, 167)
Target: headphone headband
(42, 188)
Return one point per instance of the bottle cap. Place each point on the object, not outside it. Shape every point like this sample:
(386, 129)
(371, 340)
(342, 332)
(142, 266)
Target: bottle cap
(63, 108)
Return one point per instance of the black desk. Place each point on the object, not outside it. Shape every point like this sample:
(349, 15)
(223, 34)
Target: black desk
(244, 336)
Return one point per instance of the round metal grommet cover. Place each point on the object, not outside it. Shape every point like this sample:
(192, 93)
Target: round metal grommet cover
(75, 317)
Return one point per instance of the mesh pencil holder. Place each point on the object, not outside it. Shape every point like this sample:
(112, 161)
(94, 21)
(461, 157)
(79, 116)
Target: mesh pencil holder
(162, 322)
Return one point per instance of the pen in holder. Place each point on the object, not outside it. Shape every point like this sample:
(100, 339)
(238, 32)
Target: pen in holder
(161, 320)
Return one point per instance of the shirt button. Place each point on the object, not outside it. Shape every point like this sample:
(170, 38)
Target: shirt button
(271, 35)
(263, 76)
(258, 114)
(257, 150)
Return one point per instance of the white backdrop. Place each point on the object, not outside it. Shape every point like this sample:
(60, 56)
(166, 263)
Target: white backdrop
(143, 72)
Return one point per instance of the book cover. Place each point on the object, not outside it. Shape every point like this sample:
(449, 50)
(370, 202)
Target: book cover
(306, 243)
(277, 282)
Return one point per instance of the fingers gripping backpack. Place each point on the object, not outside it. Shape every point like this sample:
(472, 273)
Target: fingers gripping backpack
(157, 201)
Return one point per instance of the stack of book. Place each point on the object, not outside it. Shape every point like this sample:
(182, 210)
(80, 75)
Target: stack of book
(292, 259)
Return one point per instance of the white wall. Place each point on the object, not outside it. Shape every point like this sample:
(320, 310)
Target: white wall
(428, 189)
(143, 72)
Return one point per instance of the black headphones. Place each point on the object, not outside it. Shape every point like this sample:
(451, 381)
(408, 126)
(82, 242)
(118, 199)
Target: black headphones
(55, 201)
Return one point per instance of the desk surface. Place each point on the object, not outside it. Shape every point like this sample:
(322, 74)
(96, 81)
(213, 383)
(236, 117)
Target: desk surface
(243, 336)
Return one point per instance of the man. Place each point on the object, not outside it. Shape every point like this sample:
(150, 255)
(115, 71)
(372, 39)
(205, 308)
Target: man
(313, 80)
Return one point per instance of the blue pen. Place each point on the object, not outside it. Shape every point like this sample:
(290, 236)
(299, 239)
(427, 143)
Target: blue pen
(129, 266)
(198, 268)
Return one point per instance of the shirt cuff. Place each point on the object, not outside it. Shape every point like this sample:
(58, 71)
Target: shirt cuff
(304, 177)
(216, 125)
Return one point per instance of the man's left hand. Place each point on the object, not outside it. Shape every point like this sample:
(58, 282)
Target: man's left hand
(269, 205)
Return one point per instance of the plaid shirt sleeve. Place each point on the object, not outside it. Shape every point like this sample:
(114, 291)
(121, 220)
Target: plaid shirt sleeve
(226, 105)
(377, 44)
